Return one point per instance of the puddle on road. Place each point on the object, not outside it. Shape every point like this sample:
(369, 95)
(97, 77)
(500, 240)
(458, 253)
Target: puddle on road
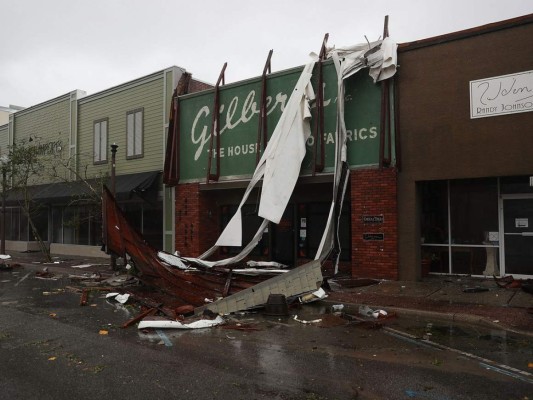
(494, 344)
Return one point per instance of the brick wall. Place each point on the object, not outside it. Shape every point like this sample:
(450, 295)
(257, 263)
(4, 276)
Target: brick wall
(196, 220)
(197, 86)
(374, 192)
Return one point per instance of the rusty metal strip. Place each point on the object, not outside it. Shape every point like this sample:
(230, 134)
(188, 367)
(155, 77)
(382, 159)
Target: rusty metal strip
(186, 287)
(397, 136)
(262, 120)
(171, 172)
(215, 130)
(319, 120)
(130, 322)
(385, 136)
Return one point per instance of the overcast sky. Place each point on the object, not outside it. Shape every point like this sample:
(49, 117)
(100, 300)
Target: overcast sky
(52, 47)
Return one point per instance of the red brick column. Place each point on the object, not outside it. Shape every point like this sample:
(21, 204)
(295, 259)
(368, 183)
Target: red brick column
(197, 220)
(374, 193)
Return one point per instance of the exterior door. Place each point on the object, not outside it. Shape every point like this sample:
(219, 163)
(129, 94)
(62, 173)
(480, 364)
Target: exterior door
(518, 236)
(283, 249)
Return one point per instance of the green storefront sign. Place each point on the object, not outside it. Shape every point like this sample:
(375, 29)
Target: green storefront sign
(239, 109)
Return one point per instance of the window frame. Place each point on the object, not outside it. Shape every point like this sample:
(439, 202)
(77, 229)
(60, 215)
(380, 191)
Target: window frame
(99, 122)
(135, 154)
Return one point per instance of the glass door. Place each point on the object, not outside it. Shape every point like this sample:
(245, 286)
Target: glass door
(518, 235)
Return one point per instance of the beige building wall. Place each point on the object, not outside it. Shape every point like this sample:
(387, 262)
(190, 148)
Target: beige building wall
(149, 94)
(48, 126)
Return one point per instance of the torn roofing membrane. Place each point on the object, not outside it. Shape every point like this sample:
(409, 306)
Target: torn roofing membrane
(280, 165)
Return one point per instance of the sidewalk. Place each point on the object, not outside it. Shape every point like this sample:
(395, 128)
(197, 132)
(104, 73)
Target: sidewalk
(435, 296)
(444, 296)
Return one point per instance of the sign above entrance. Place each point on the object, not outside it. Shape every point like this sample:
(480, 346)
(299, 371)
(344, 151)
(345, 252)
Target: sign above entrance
(500, 95)
(238, 114)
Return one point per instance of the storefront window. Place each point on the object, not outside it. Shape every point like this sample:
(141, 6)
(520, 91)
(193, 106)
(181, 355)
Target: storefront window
(76, 225)
(434, 229)
(459, 226)
(70, 222)
(40, 219)
(473, 210)
(57, 225)
(515, 184)
(16, 224)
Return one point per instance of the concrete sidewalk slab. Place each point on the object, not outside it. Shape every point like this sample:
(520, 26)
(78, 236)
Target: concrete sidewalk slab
(455, 294)
(402, 288)
(519, 298)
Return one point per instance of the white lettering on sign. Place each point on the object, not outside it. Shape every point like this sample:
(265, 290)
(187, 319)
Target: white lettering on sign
(238, 112)
(500, 95)
(236, 115)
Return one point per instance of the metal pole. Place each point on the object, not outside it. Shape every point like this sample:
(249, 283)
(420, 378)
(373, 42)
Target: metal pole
(113, 167)
(113, 190)
(3, 232)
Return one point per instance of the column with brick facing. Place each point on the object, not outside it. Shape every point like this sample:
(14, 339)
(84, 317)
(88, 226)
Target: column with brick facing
(374, 193)
(197, 219)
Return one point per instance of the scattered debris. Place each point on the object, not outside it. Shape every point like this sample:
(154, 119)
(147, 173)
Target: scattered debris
(509, 282)
(320, 294)
(121, 280)
(146, 313)
(103, 332)
(337, 307)
(331, 320)
(277, 305)
(314, 321)
(121, 298)
(241, 327)
(159, 322)
(377, 314)
(45, 274)
(475, 289)
(84, 297)
(3, 265)
(81, 266)
(353, 282)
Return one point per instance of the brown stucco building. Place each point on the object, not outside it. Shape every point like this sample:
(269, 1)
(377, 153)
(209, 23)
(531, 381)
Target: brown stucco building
(465, 199)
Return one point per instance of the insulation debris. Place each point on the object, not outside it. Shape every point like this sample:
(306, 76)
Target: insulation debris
(158, 322)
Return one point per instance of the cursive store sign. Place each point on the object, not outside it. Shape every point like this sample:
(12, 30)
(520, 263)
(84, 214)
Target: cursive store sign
(500, 95)
(238, 116)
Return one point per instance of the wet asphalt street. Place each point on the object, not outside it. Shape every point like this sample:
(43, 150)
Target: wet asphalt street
(51, 348)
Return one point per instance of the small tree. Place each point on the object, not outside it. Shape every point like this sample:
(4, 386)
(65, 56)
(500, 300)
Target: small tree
(27, 166)
(28, 163)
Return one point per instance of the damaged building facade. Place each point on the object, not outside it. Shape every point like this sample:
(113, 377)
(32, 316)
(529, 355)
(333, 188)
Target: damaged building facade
(439, 159)
(439, 183)
(211, 157)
